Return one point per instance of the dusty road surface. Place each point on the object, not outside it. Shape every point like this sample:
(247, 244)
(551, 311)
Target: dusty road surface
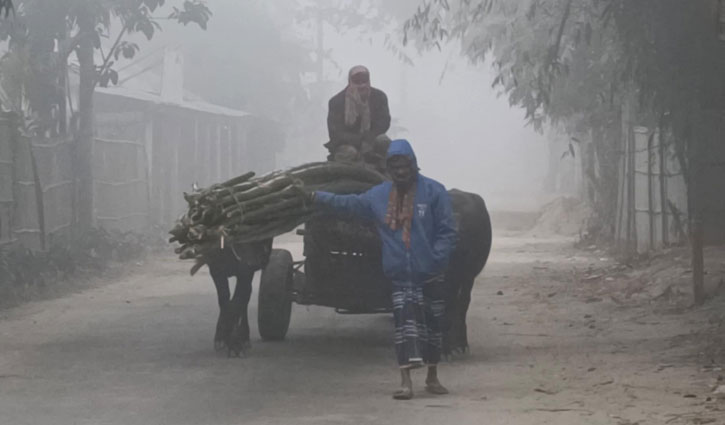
(544, 351)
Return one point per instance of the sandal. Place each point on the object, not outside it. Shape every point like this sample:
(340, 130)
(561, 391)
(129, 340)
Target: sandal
(403, 394)
(436, 389)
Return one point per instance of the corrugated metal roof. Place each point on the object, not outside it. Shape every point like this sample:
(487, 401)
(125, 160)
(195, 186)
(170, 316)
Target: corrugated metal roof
(194, 105)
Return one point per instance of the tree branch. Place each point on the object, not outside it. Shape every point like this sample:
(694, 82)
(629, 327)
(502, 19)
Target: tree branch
(107, 59)
(69, 45)
(554, 52)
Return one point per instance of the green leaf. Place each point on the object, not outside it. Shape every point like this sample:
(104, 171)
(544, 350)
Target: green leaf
(129, 50)
(153, 4)
(194, 11)
(103, 79)
(145, 27)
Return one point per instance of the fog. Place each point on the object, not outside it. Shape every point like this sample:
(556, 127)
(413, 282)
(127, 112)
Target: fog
(172, 249)
(465, 134)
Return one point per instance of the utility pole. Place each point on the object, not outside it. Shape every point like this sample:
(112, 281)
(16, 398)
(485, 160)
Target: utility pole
(320, 54)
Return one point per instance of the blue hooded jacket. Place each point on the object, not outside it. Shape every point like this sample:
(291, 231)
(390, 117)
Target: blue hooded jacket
(433, 235)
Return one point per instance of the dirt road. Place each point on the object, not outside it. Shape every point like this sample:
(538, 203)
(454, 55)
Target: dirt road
(139, 351)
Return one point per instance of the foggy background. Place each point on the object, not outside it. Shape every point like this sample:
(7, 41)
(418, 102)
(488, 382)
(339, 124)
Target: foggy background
(261, 57)
(464, 135)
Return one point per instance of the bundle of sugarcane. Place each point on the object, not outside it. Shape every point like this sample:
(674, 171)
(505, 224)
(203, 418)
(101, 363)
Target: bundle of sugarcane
(249, 209)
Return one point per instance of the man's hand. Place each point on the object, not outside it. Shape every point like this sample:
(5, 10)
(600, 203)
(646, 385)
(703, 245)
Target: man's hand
(308, 198)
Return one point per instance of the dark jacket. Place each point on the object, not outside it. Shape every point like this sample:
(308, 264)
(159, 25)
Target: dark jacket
(341, 134)
(433, 236)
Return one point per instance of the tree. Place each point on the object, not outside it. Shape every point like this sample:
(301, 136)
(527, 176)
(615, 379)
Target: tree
(549, 61)
(91, 19)
(581, 61)
(44, 33)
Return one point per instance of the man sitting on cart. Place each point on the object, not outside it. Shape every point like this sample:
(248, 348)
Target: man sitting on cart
(414, 218)
(357, 120)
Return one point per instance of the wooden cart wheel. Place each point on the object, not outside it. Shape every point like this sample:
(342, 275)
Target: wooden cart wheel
(275, 298)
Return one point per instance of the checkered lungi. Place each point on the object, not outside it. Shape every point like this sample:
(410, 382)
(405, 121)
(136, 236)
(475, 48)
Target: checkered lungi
(418, 311)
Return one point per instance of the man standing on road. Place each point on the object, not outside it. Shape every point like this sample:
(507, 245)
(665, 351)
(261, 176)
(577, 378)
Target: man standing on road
(358, 117)
(415, 221)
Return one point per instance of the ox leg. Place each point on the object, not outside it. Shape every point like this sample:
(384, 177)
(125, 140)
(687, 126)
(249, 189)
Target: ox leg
(223, 326)
(464, 301)
(448, 325)
(238, 342)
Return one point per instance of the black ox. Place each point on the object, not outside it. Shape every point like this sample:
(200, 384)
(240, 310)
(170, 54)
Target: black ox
(240, 261)
(467, 262)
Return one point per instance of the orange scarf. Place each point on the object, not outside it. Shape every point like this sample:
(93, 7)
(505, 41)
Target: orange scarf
(400, 211)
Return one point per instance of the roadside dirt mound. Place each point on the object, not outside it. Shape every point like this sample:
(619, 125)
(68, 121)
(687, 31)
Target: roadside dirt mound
(663, 278)
(564, 216)
(512, 222)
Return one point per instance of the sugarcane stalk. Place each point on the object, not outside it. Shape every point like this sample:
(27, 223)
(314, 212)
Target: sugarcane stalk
(255, 203)
(246, 209)
(212, 197)
(341, 187)
(259, 190)
(211, 193)
(271, 208)
(240, 179)
(225, 190)
(332, 171)
(227, 184)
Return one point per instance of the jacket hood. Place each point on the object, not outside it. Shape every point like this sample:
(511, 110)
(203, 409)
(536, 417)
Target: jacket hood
(402, 147)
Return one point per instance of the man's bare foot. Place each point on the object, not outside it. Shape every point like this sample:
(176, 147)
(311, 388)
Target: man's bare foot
(432, 384)
(435, 387)
(404, 393)
(406, 386)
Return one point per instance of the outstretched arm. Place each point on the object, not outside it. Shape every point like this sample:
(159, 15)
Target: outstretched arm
(359, 205)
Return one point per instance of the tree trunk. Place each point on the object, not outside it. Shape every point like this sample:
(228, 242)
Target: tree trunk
(695, 208)
(603, 168)
(62, 89)
(663, 183)
(62, 100)
(39, 201)
(84, 138)
(698, 258)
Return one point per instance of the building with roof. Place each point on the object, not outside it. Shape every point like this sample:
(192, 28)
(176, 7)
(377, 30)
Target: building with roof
(154, 140)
